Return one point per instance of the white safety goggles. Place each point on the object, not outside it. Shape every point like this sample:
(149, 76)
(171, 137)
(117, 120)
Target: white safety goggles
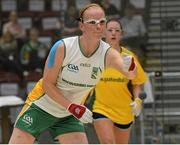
(101, 21)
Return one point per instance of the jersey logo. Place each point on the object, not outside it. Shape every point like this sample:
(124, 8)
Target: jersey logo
(85, 65)
(94, 73)
(27, 119)
(77, 110)
(73, 68)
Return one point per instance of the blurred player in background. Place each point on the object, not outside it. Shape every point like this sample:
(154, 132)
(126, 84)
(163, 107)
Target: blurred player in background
(113, 105)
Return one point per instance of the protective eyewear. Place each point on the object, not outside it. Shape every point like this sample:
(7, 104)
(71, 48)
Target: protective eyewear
(101, 21)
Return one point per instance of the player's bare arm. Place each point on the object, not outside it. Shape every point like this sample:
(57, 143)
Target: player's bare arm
(50, 76)
(114, 60)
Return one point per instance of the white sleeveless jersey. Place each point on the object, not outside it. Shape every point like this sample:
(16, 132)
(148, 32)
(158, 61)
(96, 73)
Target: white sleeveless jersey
(78, 75)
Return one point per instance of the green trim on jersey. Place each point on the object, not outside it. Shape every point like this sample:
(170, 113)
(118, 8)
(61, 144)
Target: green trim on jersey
(105, 57)
(64, 48)
(82, 49)
(90, 100)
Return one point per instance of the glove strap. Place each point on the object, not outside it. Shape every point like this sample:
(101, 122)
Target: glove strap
(133, 65)
(76, 110)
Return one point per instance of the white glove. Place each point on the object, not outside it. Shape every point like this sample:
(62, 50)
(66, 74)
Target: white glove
(81, 113)
(129, 64)
(136, 106)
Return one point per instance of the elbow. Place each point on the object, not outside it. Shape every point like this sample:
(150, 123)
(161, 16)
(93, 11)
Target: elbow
(45, 84)
(132, 74)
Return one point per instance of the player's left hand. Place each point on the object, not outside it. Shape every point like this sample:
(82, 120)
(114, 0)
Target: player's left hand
(136, 106)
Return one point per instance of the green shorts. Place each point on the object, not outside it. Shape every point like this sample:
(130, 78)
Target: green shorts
(35, 120)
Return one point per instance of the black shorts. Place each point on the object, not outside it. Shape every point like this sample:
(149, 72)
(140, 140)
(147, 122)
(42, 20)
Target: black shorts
(121, 126)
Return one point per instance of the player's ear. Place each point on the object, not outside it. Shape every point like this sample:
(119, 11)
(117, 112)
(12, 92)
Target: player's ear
(80, 22)
(81, 26)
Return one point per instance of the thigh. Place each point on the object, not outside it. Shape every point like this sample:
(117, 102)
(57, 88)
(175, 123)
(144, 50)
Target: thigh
(104, 128)
(21, 137)
(68, 130)
(122, 133)
(73, 138)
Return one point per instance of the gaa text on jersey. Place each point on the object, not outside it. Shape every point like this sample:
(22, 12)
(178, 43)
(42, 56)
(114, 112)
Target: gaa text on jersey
(73, 68)
(28, 119)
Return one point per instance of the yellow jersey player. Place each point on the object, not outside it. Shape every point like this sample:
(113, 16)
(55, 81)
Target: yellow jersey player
(111, 102)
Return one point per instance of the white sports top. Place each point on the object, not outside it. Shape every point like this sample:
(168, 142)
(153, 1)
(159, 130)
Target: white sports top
(78, 75)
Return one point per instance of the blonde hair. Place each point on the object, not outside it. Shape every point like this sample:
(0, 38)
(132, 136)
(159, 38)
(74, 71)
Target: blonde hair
(81, 12)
